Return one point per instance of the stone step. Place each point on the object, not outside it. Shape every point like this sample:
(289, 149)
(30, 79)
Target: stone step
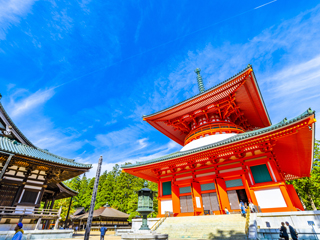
(204, 227)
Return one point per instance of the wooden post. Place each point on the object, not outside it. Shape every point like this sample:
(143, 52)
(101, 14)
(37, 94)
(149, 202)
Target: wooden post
(50, 208)
(5, 166)
(38, 223)
(93, 200)
(58, 219)
(66, 222)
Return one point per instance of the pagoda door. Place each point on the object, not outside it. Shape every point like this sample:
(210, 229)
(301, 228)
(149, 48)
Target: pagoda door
(186, 204)
(233, 199)
(210, 201)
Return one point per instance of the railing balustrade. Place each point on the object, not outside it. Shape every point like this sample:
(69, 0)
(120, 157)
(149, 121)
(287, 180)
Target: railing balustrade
(19, 210)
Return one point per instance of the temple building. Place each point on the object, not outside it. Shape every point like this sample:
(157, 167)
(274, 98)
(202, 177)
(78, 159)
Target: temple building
(104, 216)
(230, 152)
(30, 175)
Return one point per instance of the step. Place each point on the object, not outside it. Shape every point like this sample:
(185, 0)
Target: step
(204, 227)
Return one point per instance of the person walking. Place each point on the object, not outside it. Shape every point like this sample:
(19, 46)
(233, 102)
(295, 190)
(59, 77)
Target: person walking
(103, 230)
(283, 232)
(226, 211)
(293, 232)
(243, 211)
(19, 232)
(251, 206)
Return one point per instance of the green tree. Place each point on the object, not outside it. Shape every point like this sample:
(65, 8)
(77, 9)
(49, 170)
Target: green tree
(308, 188)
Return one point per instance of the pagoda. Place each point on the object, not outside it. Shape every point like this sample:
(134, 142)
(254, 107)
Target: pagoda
(230, 152)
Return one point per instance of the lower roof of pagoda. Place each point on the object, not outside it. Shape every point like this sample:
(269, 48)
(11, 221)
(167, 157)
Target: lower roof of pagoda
(292, 142)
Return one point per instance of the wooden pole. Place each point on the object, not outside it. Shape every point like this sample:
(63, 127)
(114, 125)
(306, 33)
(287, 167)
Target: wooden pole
(93, 200)
(66, 222)
(5, 166)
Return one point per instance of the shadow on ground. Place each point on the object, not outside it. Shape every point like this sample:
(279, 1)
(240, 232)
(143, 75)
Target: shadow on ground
(223, 234)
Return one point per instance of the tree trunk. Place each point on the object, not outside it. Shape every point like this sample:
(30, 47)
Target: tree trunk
(312, 203)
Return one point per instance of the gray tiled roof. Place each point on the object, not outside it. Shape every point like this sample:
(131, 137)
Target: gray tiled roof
(236, 138)
(12, 146)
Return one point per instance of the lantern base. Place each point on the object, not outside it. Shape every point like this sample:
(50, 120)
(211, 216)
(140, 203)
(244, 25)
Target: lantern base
(144, 225)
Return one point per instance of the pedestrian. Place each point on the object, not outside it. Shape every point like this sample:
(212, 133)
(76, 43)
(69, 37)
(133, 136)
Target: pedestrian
(103, 230)
(241, 204)
(251, 206)
(283, 232)
(19, 232)
(76, 229)
(243, 211)
(293, 232)
(226, 211)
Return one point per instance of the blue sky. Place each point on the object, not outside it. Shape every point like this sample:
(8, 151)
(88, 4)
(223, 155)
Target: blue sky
(78, 75)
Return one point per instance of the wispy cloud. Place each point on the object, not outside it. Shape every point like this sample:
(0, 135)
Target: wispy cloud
(25, 105)
(10, 13)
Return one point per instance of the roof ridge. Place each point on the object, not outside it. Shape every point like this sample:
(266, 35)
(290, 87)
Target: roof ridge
(201, 93)
(7, 144)
(237, 137)
(14, 125)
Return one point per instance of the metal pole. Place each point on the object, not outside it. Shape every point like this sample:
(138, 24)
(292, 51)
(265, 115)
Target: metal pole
(65, 223)
(93, 200)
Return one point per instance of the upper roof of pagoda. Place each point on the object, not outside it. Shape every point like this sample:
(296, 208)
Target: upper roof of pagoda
(239, 94)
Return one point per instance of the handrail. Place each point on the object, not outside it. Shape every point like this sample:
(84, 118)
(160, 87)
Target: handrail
(247, 221)
(159, 222)
(213, 127)
(28, 211)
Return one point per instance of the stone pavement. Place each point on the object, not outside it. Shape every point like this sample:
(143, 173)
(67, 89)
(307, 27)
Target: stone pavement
(94, 235)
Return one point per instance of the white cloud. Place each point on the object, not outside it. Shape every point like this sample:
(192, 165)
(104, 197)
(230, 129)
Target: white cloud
(19, 108)
(10, 13)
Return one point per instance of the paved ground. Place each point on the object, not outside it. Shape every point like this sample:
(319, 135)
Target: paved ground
(94, 235)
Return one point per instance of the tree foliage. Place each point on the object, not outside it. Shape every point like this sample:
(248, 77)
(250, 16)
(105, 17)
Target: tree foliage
(308, 188)
(117, 188)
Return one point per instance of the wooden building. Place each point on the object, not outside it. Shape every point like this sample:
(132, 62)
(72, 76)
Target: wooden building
(230, 152)
(30, 175)
(107, 216)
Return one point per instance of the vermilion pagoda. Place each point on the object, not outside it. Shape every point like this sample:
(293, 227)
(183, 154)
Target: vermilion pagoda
(231, 152)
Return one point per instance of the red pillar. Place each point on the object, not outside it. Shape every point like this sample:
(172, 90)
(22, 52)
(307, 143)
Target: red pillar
(175, 199)
(197, 199)
(222, 193)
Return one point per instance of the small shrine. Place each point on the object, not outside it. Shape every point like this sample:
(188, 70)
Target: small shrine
(230, 152)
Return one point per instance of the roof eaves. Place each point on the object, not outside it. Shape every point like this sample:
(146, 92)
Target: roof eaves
(263, 103)
(12, 146)
(199, 94)
(236, 138)
(14, 126)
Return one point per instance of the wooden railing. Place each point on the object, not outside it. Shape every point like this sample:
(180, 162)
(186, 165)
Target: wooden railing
(247, 221)
(159, 222)
(29, 211)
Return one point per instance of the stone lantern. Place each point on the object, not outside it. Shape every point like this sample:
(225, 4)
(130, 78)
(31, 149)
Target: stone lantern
(145, 205)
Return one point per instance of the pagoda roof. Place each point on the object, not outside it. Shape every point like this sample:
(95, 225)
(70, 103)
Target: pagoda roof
(248, 99)
(12, 146)
(234, 139)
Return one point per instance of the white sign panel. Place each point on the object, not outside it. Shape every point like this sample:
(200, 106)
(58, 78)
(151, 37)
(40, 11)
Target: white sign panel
(270, 198)
(166, 206)
(198, 202)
